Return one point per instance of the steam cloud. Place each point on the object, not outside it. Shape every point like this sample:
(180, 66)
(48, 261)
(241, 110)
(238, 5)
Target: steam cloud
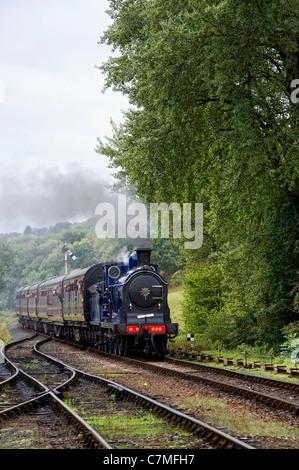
(43, 197)
(46, 196)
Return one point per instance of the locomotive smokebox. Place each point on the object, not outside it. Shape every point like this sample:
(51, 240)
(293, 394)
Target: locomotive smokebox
(143, 256)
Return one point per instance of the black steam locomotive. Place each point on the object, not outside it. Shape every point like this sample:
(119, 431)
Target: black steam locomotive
(115, 307)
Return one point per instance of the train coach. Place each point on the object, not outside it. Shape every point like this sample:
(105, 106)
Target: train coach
(115, 307)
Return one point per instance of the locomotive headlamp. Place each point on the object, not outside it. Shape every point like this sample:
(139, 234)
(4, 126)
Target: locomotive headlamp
(172, 328)
(122, 329)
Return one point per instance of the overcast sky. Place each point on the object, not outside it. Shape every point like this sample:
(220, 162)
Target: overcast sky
(52, 110)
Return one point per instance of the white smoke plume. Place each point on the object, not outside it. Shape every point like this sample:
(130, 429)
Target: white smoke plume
(42, 197)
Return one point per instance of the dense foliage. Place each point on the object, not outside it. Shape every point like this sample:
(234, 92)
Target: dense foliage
(37, 254)
(211, 121)
(6, 263)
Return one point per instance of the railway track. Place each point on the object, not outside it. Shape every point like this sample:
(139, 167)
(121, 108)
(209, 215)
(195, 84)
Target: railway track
(94, 396)
(32, 415)
(4, 373)
(277, 394)
(184, 380)
(273, 393)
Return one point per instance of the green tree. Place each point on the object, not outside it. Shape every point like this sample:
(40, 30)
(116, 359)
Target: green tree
(166, 254)
(6, 262)
(212, 121)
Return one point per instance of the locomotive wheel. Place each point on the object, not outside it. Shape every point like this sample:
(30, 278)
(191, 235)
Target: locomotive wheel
(122, 346)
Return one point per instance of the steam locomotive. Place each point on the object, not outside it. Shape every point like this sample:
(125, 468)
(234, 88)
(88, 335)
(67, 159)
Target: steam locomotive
(115, 307)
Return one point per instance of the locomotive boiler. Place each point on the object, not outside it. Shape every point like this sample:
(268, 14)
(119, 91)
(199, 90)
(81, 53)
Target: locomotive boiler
(115, 307)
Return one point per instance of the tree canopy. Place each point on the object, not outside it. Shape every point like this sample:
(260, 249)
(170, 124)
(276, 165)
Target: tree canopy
(211, 121)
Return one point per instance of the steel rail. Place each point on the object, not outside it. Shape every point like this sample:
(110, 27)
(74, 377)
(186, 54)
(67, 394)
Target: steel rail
(212, 434)
(92, 439)
(14, 369)
(244, 392)
(281, 384)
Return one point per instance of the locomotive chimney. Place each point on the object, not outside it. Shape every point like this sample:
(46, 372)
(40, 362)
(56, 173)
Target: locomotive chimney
(143, 256)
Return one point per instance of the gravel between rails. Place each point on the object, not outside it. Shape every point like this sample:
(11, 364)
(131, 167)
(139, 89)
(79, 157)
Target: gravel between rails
(174, 392)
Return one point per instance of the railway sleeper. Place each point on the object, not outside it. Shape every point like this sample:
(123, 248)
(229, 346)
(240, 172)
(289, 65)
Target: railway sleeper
(116, 391)
(216, 441)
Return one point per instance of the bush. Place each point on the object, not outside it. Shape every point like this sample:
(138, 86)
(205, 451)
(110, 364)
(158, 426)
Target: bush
(6, 318)
(202, 296)
(216, 309)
